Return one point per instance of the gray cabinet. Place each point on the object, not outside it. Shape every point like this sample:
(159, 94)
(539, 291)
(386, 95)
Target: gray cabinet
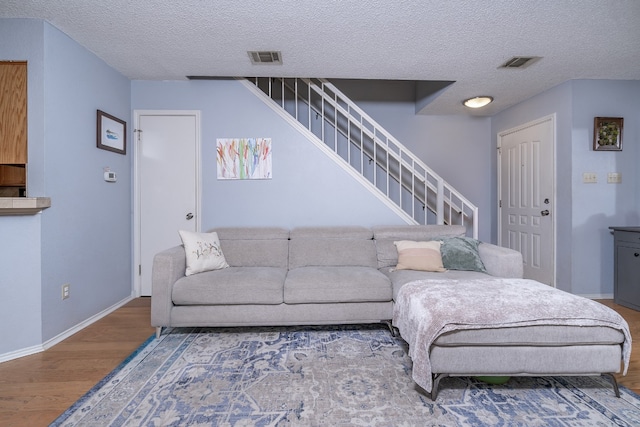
(626, 269)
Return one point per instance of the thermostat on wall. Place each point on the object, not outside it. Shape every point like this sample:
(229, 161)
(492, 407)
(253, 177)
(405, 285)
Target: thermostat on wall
(110, 176)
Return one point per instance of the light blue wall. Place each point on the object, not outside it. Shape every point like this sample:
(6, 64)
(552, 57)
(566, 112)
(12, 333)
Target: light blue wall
(596, 207)
(307, 188)
(86, 234)
(20, 283)
(85, 237)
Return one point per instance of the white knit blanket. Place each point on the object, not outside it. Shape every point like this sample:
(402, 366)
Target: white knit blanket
(425, 309)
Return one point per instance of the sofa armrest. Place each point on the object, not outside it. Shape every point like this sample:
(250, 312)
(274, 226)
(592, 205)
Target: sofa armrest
(168, 267)
(500, 261)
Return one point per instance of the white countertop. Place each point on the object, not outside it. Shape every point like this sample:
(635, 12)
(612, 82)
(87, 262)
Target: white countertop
(23, 205)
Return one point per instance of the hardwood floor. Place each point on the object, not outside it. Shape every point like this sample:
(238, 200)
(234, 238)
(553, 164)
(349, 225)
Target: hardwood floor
(36, 389)
(632, 379)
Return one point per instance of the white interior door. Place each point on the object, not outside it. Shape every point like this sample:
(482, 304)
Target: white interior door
(527, 196)
(167, 184)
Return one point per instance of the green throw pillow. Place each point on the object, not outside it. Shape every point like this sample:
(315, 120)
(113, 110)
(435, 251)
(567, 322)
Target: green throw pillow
(461, 253)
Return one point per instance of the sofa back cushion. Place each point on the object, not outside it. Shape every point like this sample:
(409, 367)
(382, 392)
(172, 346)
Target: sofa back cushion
(254, 246)
(332, 246)
(384, 236)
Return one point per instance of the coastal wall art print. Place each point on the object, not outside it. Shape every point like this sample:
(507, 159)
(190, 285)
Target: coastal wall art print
(244, 158)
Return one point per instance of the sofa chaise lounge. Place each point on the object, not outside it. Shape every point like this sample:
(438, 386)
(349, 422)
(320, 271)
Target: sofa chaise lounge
(340, 275)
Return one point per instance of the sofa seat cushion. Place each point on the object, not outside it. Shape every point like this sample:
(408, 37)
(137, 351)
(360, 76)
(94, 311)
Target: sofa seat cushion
(400, 278)
(537, 335)
(232, 285)
(336, 284)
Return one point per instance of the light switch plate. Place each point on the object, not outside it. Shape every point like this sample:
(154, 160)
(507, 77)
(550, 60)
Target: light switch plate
(614, 178)
(589, 177)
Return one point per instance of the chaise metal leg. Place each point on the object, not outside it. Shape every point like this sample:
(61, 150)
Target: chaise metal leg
(435, 384)
(616, 389)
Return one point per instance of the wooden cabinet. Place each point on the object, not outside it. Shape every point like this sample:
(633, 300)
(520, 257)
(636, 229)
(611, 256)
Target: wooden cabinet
(13, 113)
(626, 268)
(13, 128)
(12, 175)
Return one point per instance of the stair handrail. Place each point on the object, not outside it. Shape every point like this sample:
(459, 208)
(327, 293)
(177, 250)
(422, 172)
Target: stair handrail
(401, 148)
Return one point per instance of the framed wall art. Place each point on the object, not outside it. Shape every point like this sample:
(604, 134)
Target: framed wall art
(244, 158)
(607, 133)
(112, 133)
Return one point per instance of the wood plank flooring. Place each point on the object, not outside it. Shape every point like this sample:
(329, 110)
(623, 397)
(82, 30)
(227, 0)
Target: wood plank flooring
(36, 389)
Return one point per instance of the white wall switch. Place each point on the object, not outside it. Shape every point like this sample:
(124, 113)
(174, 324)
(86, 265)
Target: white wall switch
(614, 178)
(589, 177)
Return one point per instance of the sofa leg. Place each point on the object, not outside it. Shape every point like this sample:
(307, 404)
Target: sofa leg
(435, 384)
(158, 331)
(389, 324)
(616, 389)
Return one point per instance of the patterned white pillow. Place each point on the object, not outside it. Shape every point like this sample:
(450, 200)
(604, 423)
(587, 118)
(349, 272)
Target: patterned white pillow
(203, 252)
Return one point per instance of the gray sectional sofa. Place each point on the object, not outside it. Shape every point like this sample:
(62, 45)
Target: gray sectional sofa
(340, 275)
(303, 276)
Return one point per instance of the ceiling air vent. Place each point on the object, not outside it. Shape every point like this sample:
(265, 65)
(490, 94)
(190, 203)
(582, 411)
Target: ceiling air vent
(520, 62)
(265, 57)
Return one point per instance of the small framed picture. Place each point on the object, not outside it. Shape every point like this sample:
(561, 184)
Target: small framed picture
(607, 133)
(112, 133)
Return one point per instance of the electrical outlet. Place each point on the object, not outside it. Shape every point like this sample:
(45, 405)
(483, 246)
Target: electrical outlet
(589, 178)
(66, 289)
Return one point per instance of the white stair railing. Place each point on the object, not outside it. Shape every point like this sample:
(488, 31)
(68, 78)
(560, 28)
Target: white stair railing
(387, 165)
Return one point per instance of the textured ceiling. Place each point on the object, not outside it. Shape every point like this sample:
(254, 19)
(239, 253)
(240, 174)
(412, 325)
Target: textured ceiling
(462, 41)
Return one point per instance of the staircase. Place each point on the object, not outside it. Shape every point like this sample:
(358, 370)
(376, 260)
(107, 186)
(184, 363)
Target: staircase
(365, 149)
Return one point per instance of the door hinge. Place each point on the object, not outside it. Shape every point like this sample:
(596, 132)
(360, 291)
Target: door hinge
(139, 132)
(500, 204)
(139, 269)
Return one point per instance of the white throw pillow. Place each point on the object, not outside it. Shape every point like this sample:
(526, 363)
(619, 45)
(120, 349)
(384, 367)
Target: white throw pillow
(203, 252)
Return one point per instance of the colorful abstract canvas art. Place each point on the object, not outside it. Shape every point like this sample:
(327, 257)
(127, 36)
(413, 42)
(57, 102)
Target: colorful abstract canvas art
(244, 158)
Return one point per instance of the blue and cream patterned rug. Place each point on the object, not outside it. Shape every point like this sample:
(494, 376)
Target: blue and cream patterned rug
(324, 376)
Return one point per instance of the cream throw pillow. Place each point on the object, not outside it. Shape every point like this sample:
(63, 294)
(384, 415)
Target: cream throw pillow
(422, 256)
(203, 252)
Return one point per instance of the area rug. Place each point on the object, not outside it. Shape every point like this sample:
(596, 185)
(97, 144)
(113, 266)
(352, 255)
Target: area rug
(324, 376)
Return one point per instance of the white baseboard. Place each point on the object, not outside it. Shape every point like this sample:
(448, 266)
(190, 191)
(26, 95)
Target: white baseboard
(80, 326)
(64, 335)
(21, 353)
(598, 296)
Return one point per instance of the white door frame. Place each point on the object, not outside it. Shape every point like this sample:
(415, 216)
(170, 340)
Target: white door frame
(554, 215)
(136, 182)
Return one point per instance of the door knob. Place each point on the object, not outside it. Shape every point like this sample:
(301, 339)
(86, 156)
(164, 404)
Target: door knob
(545, 212)
(189, 215)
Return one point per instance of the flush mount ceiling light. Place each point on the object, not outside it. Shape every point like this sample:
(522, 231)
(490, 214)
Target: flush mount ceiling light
(477, 101)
